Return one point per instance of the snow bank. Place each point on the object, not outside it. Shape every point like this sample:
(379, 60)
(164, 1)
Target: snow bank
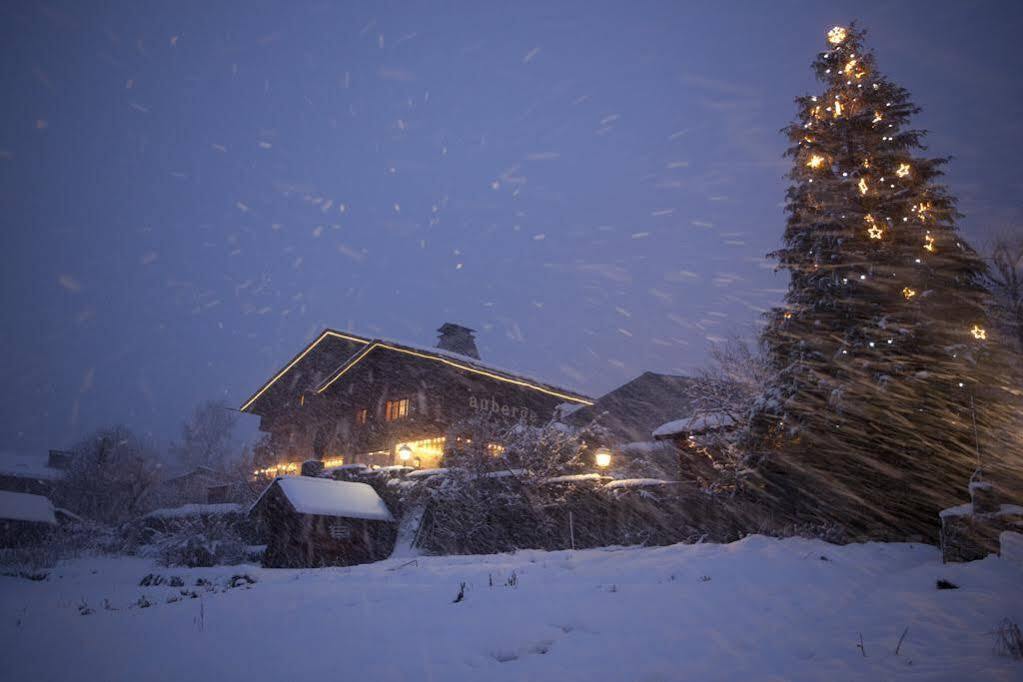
(758, 609)
(25, 507)
(324, 497)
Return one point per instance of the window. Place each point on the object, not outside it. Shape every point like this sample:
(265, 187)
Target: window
(361, 416)
(396, 409)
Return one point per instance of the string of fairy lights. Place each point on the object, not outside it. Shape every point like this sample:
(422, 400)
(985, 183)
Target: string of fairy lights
(844, 104)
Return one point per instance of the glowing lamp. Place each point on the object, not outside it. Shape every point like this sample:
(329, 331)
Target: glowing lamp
(404, 453)
(602, 458)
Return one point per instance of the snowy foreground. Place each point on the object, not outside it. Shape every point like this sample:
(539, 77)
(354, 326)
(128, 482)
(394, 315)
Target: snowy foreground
(755, 609)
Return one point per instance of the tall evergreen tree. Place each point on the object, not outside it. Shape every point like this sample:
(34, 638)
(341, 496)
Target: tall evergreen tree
(876, 348)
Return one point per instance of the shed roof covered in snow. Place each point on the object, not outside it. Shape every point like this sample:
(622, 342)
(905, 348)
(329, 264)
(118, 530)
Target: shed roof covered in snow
(26, 507)
(326, 497)
(28, 466)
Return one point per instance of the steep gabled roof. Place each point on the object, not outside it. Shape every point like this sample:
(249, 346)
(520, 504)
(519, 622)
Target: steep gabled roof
(315, 355)
(457, 361)
(632, 411)
(306, 370)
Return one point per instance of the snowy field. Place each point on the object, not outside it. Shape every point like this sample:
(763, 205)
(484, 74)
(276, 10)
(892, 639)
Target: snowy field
(759, 609)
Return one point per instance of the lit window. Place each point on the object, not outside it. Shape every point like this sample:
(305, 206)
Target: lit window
(396, 409)
(361, 416)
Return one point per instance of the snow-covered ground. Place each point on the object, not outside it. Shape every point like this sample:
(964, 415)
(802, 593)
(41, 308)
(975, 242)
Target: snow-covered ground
(760, 609)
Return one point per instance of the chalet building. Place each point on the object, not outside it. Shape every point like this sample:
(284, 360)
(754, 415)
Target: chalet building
(347, 399)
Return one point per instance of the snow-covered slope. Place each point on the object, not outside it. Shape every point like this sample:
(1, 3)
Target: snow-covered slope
(758, 609)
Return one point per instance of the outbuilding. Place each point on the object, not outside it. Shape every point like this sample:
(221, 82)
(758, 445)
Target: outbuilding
(24, 518)
(309, 522)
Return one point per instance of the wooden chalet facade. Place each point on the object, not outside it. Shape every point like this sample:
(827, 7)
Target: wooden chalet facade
(349, 399)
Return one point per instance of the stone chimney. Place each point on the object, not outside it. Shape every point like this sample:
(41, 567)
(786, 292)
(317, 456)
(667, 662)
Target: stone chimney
(457, 339)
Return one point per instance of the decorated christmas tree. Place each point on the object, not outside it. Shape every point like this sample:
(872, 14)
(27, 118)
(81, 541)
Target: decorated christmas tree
(878, 349)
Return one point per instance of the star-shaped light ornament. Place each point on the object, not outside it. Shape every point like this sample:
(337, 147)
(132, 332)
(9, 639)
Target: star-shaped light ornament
(903, 170)
(929, 243)
(862, 184)
(816, 161)
(908, 293)
(979, 332)
(873, 229)
(837, 35)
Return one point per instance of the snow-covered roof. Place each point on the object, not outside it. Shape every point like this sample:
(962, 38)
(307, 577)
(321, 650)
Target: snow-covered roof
(26, 507)
(333, 347)
(695, 424)
(195, 510)
(28, 466)
(326, 497)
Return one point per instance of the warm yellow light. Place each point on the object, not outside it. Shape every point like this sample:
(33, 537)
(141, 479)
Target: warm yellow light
(873, 229)
(838, 108)
(849, 67)
(923, 209)
(903, 170)
(929, 243)
(908, 293)
(978, 332)
(787, 315)
(427, 452)
(837, 35)
(877, 117)
(333, 462)
(602, 458)
(282, 469)
(816, 161)
(862, 184)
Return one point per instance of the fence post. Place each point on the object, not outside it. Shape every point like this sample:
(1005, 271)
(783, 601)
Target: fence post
(571, 528)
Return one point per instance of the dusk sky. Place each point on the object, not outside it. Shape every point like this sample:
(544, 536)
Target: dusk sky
(191, 192)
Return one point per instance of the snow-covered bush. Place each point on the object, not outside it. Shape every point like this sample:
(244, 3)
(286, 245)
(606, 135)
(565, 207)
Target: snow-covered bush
(111, 478)
(199, 541)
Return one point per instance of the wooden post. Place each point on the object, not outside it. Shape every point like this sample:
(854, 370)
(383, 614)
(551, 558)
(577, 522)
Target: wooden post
(571, 528)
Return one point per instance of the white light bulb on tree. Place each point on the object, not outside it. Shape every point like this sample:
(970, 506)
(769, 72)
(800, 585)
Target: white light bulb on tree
(602, 458)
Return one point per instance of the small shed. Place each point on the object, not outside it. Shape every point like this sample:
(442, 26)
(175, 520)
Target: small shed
(24, 518)
(308, 522)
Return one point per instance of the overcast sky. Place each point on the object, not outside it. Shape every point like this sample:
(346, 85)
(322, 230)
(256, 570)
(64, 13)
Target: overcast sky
(190, 192)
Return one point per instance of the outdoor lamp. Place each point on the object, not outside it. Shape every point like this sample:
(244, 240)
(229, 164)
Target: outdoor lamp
(602, 458)
(404, 453)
